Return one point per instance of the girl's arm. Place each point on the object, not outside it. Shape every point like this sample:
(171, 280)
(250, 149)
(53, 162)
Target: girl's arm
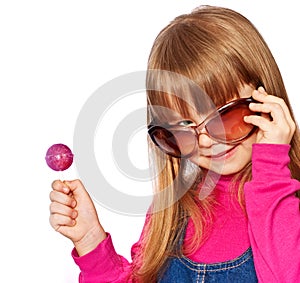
(274, 216)
(73, 214)
(103, 264)
(271, 204)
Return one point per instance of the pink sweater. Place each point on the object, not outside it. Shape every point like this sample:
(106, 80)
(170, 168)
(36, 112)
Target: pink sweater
(272, 228)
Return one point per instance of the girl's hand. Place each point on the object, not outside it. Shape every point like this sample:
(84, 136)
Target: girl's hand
(73, 214)
(275, 125)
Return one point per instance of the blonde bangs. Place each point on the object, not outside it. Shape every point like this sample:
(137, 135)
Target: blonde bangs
(204, 50)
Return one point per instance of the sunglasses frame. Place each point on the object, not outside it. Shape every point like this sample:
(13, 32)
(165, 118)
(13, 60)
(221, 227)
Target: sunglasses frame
(197, 128)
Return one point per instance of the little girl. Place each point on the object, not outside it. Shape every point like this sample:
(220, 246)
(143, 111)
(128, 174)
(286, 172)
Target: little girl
(236, 167)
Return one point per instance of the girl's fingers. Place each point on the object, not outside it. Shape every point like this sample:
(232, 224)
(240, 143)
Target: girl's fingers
(62, 212)
(57, 208)
(274, 109)
(273, 105)
(57, 220)
(62, 198)
(262, 96)
(274, 134)
(275, 123)
(60, 186)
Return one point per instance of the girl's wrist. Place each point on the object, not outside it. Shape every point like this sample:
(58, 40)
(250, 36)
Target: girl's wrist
(90, 241)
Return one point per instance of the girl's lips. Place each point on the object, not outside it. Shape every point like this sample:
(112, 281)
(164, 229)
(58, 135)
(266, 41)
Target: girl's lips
(225, 154)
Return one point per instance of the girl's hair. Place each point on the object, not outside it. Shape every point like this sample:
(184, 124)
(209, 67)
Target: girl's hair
(220, 51)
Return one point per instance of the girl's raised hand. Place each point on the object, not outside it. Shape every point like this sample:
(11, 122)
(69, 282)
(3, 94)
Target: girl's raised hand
(73, 214)
(275, 125)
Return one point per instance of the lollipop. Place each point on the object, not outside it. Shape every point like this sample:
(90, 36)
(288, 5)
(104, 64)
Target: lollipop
(59, 157)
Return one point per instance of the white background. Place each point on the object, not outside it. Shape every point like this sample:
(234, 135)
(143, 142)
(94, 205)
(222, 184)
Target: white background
(53, 56)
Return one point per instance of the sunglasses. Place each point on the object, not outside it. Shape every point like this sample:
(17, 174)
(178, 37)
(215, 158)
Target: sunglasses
(225, 125)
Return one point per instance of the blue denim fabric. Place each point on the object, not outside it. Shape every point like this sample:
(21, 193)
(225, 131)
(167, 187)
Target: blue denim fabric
(181, 269)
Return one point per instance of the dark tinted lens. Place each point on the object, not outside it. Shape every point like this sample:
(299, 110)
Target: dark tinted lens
(230, 125)
(178, 143)
(165, 140)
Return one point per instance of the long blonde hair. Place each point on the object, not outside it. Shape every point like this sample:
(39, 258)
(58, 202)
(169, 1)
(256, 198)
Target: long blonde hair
(219, 50)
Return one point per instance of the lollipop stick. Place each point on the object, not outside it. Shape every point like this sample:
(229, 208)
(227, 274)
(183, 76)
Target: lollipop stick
(61, 175)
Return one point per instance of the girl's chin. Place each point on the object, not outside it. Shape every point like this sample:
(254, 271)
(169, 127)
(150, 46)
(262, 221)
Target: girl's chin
(227, 169)
(223, 168)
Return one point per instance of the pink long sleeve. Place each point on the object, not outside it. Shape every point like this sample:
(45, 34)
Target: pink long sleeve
(103, 264)
(274, 217)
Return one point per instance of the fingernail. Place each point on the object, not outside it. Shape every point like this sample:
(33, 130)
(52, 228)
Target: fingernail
(261, 89)
(73, 204)
(74, 214)
(66, 190)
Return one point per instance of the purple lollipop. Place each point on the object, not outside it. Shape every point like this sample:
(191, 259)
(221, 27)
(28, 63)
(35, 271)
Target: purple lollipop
(59, 157)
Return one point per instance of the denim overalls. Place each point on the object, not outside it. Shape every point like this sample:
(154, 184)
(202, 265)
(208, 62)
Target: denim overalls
(181, 269)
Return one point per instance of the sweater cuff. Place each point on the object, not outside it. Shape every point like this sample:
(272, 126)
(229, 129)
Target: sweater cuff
(269, 161)
(103, 257)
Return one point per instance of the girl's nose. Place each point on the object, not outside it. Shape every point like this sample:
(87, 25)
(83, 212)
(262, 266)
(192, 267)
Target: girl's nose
(205, 140)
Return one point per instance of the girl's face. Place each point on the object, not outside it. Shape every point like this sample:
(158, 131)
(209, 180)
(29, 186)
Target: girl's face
(224, 159)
